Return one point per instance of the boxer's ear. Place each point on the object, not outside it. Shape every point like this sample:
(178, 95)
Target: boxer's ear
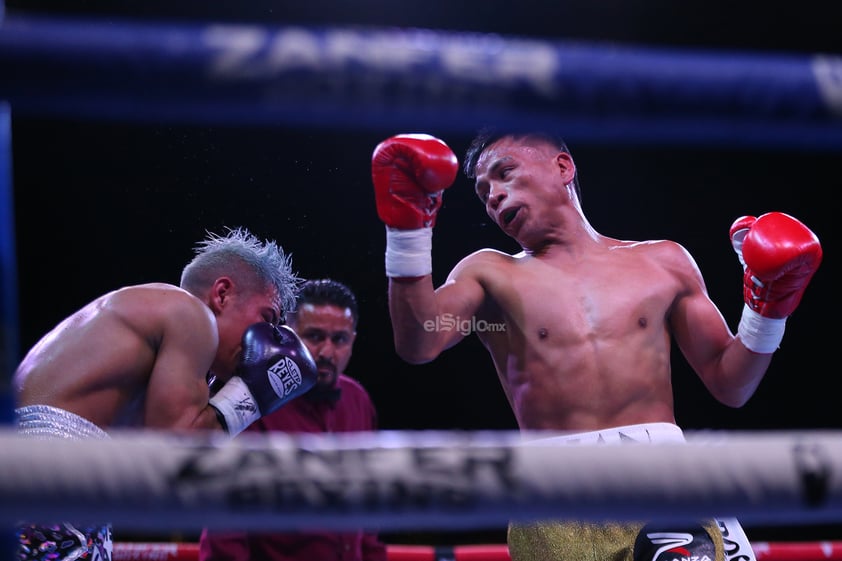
(566, 167)
(220, 294)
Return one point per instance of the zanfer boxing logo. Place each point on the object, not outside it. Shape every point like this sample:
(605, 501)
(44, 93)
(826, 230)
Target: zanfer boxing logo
(291, 481)
(370, 64)
(285, 376)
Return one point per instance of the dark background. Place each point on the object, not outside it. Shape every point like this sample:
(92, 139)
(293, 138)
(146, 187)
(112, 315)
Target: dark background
(101, 204)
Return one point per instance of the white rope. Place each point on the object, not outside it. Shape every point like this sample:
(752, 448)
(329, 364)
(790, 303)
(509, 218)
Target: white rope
(416, 480)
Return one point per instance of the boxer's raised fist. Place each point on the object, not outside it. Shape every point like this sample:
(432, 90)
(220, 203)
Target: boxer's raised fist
(779, 256)
(410, 173)
(275, 368)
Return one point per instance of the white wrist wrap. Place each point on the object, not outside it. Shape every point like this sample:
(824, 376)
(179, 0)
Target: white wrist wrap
(409, 253)
(760, 334)
(237, 405)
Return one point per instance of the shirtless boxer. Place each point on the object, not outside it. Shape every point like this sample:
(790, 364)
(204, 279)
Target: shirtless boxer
(588, 320)
(143, 356)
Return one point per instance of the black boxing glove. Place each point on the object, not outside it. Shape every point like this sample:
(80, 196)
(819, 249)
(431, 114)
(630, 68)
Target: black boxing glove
(275, 368)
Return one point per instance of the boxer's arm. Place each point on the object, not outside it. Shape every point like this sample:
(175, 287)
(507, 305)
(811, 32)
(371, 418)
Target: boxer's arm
(410, 173)
(729, 371)
(779, 256)
(424, 319)
(177, 391)
(275, 367)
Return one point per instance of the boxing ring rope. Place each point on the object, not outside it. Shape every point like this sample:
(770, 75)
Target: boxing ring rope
(414, 78)
(763, 551)
(407, 480)
(406, 79)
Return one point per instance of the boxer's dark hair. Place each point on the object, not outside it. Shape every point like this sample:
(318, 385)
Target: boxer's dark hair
(489, 135)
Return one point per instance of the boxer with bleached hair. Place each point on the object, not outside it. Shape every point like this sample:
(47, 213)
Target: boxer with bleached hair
(144, 356)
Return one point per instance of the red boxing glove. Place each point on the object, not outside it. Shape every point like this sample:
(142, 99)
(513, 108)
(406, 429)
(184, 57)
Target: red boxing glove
(410, 172)
(780, 256)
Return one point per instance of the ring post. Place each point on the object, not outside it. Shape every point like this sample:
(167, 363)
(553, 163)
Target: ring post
(8, 284)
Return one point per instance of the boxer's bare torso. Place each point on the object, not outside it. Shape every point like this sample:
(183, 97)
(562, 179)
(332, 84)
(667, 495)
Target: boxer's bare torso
(575, 346)
(579, 325)
(105, 361)
(575, 352)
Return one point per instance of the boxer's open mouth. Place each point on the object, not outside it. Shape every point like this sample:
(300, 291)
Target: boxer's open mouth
(509, 215)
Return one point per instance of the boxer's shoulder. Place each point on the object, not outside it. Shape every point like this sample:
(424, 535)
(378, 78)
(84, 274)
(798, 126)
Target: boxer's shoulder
(487, 257)
(154, 299)
(148, 310)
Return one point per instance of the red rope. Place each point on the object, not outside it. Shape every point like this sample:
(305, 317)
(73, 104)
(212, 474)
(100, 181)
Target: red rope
(798, 551)
(765, 551)
(155, 551)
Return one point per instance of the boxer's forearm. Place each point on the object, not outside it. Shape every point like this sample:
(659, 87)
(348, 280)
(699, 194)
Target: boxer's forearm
(410, 173)
(414, 310)
(734, 378)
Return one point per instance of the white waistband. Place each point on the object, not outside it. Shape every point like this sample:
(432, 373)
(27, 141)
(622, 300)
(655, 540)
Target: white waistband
(646, 433)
